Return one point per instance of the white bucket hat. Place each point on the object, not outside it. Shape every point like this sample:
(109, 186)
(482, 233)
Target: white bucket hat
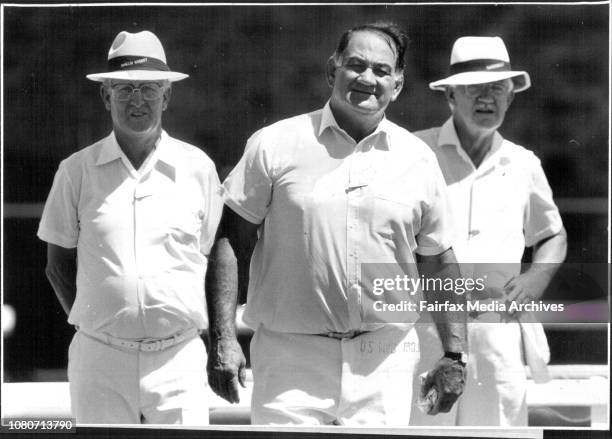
(138, 56)
(477, 60)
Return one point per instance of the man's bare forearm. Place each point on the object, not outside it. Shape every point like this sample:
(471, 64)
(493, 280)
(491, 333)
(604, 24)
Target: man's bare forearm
(222, 290)
(451, 323)
(64, 288)
(61, 270)
(226, 362)
(549, 254)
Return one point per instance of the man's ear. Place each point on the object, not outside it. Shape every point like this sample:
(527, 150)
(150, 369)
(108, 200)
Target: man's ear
(167, 96)
(399, 84)
(330, 71)
(105, 95)
(449, 92)
(510, 97)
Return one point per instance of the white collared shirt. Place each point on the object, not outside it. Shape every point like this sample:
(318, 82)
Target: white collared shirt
(498, 208)
(142, 236)
(329, 208)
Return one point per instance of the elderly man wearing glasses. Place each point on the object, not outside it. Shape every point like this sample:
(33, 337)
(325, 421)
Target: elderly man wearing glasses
(129, 224)
(501, 203)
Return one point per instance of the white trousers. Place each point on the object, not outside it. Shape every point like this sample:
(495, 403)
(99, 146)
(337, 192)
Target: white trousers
(496, 386)
(113, 386)
(317, 380)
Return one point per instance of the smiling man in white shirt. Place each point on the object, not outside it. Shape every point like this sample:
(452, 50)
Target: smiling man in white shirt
(501, 203)
(129, 223)
(322, 204)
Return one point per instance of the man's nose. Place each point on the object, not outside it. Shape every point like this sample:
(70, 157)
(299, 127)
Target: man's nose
(367, 76)
(486, 94)
(487, 89)
(136, 98)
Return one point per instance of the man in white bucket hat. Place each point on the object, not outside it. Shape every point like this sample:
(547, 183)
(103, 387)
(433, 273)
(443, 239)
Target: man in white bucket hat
(501, 203)
(129, 223)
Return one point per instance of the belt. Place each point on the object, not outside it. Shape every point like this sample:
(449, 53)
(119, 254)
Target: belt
(340, 335)
(144, 345)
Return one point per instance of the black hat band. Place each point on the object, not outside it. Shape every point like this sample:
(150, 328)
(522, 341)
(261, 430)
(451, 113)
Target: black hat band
(137, 63)
(480, 65)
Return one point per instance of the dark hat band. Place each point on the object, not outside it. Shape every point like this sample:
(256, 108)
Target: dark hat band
(137, 63)
(480, 65)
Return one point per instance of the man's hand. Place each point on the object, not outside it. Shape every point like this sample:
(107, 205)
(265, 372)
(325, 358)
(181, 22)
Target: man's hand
(226, 368)
(527, 286)
(448, 379)
(548, 254)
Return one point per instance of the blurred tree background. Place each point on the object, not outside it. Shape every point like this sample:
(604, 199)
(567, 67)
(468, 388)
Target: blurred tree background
(253, 65)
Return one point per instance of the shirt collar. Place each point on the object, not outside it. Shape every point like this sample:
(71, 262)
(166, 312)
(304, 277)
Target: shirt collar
(164, 150)
(112, 151)
(329, 121)
(448, 136)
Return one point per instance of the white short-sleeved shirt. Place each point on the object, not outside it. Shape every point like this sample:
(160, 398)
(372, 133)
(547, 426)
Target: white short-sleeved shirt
(142, 236)
(328, 207)
(498, 208)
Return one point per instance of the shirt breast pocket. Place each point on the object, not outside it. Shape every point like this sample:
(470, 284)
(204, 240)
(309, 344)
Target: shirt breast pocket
(396, 215)
(504, 196)
(185, 225)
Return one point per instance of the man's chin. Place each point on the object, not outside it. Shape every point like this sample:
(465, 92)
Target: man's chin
(488, 121)
(355, 108)
(139, 129)
(365, 106)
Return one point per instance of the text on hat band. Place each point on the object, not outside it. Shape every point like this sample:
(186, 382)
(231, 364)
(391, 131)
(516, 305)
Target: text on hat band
(137, 63)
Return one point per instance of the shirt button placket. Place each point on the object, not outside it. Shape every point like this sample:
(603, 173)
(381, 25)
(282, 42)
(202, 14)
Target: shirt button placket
(137, 214)
(353, 237)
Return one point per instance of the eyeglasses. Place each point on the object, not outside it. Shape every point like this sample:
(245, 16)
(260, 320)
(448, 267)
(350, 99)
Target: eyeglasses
(149, 91)
(498, 88)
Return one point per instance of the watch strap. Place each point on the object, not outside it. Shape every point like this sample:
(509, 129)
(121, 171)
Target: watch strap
(457, 356)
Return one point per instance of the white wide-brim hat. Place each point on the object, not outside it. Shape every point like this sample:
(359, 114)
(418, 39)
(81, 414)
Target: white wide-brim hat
(478, 60)
(137, 57)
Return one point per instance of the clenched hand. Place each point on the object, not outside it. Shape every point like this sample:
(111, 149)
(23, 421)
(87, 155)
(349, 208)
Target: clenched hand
(448, 378)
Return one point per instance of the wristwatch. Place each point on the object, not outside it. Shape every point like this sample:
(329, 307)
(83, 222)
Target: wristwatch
(461, 357)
